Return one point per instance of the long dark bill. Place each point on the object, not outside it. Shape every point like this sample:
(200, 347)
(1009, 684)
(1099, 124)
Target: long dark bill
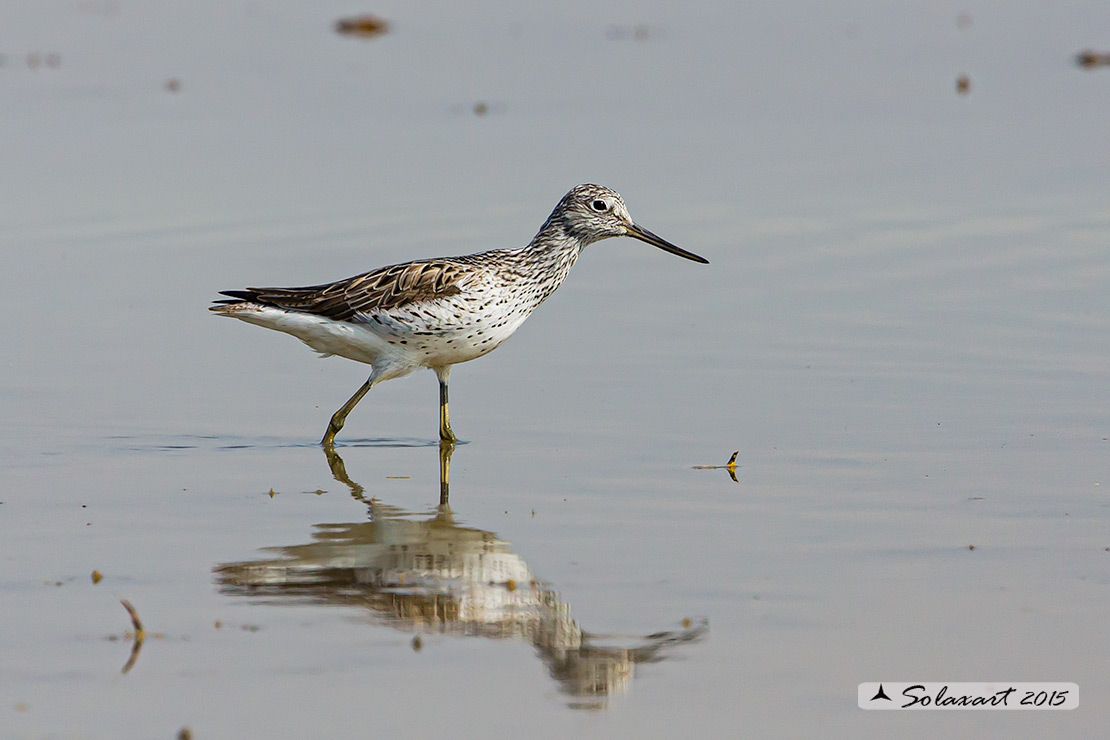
(639, 232)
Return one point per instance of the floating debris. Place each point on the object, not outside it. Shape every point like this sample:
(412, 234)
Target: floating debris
(364, 26)
(1089, 59)
(730, 466)
(963, 20)
(185, 733)
(963, 84)
(417, 643)
(173, 85)
(479, 108)
(637, 32)
(139, 635)
(137, 623)
(50, 59)
(96, 576)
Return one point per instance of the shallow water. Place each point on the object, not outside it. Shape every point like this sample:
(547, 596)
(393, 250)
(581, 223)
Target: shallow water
(904, 330)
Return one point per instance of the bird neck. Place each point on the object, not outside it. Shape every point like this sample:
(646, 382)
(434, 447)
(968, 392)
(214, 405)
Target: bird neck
(550, 255)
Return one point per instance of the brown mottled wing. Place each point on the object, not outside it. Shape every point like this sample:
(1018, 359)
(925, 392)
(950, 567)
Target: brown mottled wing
(383, 289)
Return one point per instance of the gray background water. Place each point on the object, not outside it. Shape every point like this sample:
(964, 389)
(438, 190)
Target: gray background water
(905, 330)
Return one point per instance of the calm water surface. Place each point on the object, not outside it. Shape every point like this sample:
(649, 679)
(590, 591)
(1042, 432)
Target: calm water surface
(905, 331)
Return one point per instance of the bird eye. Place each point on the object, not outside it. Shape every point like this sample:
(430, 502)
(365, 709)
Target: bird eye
(600, 206)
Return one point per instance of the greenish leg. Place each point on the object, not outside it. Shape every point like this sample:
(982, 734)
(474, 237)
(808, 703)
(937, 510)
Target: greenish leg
(340, 416)
(445, 432)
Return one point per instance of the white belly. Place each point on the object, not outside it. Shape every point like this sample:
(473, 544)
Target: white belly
(430, 334)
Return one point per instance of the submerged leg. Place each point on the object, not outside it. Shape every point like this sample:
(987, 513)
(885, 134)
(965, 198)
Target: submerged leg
(445, 450)
(340, 416)
(339, 472)
(445, 432)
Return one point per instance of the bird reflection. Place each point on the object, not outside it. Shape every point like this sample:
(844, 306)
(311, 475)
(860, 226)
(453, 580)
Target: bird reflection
(426, 573)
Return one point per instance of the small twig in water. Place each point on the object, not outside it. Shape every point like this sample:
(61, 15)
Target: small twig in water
(140, 635)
